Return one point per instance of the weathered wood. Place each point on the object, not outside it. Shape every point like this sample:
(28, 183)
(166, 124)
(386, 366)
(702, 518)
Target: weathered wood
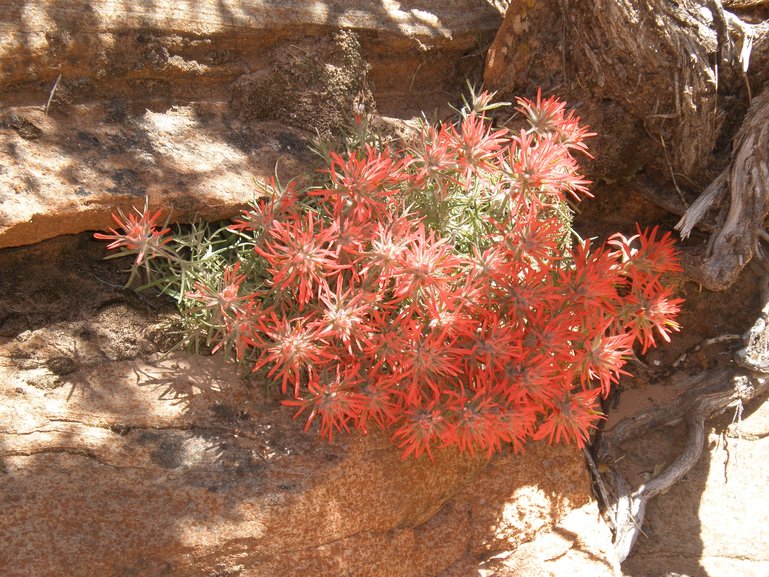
(656, 58)
(685, 70)
(746, 180)
(707, 395)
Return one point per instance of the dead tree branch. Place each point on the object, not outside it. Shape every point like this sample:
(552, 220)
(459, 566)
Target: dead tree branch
(746, 182)
(708, 395)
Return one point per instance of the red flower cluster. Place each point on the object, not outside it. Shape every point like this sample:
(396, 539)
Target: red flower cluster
(433, 292)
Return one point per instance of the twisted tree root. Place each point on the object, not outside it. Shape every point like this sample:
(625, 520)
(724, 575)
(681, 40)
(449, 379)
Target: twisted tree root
(746, 183)
(711, 395)
(708, 395)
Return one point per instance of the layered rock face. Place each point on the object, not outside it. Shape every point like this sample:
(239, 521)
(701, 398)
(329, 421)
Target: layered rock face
(191, 104)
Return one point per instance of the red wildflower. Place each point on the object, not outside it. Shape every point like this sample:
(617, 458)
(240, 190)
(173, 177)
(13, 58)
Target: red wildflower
(141, 236)
(424, 361)
(225, 301)
(284, 199)
(477, 143)
(493, 344)
(379, 403)
(526, 290)
(333, 397)
(542, 171)
(590, 286)
(257, 218)
(516, 423)
(551, 334)
(389, 240)
(434, 159)
(604, 357)
(241, 332)
(645, 254)
(294, 349)
(299, 255)
(461, 320)
(474, 423)
(384, 342)
(549, 116)
(364, 182)
(571, 418)
(345, 316)
(536, 239)
(648, 310)
(428, 262)
(445, 314)
(420, 428)
(530, 381)
(491, 265)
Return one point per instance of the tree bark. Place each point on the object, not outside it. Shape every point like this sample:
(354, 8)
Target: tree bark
(742, 223)
(675, 92)
(656, 58)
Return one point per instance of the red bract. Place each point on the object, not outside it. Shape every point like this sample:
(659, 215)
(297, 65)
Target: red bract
(257, 218)
(527, 289)
(549, 116)
(477, 144)
(445, 314)
(604, 357)
(591, 285)
(650, 310)
(492, 345)
(516, 424)
(572, 417)
(541, 171)
(334, 398)
(141, 235)
(645, 254)
(294, 350)
(299, 255)
(536, 239)
(241, 332)
(427, 262)
(552, 334)
(425, 362)
(379, 403)
(434, 158)
(433, 291)
(389, 241)
(385, 342)
(475, 423)
(420, 428)
(226, 300)
(530, 381)
(491, 265)
(362, 182)
(345, 316)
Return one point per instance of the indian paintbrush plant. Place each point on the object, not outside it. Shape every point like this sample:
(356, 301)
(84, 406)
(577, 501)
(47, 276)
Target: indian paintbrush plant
(435, 291)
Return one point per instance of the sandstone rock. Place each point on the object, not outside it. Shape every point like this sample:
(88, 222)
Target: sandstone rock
(318, 84)
(191, 161)
(579, 545)
(191, 106)
(153, 51)
(715, 522)
(145, 463)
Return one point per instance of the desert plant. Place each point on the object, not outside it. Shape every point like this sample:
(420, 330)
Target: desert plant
(435, 291)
